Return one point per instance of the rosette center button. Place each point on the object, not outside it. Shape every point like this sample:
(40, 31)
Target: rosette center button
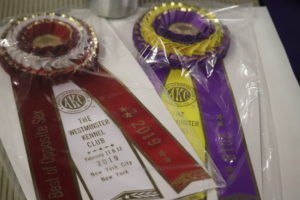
(184, 29)
(47, 40)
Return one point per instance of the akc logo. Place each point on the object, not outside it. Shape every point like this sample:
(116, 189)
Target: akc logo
(73, 101)
(181, 94)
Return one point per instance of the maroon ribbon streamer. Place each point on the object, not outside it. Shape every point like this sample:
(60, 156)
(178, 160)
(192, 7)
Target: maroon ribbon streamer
(49, 159)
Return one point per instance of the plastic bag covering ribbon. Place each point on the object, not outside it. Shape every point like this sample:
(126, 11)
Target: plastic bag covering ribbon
(41, 51)
(182, 49)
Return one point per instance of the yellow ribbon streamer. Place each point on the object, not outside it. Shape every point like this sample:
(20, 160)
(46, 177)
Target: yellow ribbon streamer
(180, 99)
(179, 95)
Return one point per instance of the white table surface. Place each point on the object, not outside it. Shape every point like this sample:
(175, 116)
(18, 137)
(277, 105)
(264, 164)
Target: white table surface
(284, 94)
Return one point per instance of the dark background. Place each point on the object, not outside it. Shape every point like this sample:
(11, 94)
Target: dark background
(286, 17)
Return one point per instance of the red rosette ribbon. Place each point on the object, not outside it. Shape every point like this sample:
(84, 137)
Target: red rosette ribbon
(43, 50)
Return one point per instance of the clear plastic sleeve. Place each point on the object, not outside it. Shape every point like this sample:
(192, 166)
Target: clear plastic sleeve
(204, 63)
(189, 119)
(81, 120)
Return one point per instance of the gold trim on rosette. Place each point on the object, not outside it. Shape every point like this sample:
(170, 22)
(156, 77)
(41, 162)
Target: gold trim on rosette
(11, 33)
(177, 77)
(196, 49)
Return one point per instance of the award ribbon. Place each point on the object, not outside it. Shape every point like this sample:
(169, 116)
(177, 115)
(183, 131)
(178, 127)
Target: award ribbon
(25, 54)
(174, 37)
(43, 51)
(105, 157)
(181, 100)
(147, 134)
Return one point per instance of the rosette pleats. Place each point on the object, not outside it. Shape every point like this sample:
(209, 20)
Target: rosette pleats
(30, 56)
(47, 51)
(182, 50)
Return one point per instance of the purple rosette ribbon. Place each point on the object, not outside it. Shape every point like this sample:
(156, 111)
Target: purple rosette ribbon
(174, 36)
(188, 23)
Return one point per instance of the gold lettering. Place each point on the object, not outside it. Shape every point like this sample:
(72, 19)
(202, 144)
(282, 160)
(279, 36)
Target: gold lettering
(143, 130)
(162, 153)
(219, 117)
(42, 129)
(225, 135)
(146, 137)
(229, 170)
(138, 124)
(50, 170)
(168, 160)
(55, 188)
(227, 157)
(220, 124)
(38, 117)
(154, 142)
(226, 142)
